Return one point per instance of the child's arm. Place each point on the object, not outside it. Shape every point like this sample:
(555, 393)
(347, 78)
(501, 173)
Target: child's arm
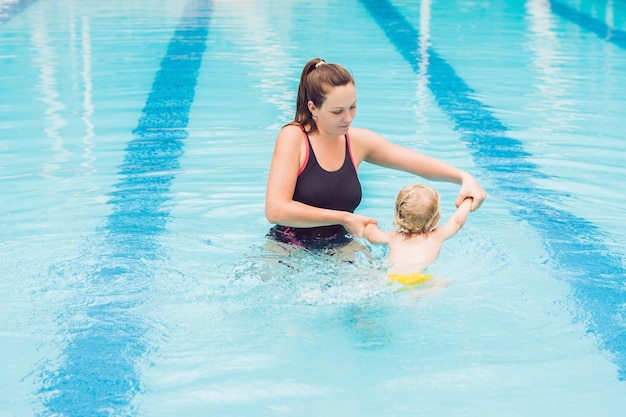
(456, 221)
(375, 235)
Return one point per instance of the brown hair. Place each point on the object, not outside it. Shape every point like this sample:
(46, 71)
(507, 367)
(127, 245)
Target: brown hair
(417, 209)
(317, 78)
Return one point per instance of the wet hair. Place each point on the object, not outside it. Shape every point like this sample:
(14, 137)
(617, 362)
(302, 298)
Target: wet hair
(417, 209)
(317, 79)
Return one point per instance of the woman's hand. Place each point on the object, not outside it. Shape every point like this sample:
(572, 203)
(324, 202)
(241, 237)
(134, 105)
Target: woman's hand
(470, 188)
(355, 224)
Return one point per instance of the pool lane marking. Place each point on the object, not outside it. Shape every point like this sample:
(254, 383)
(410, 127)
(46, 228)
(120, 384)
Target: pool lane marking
(580, 257)
(12, 9)
(591, 24)
(98, 375)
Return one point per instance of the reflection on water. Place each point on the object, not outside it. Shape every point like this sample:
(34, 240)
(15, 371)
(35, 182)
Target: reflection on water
(348, 283)
(549, 60)
(341, 276)
(47, 61)
(88, 106)
(169, 309)
(97, 373)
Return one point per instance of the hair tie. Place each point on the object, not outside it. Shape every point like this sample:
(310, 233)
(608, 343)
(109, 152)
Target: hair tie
(322, 62)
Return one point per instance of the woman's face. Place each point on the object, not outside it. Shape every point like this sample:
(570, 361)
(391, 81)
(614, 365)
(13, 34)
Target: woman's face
(335, 115)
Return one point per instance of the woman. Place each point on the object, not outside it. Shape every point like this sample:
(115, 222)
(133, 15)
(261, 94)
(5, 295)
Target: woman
(313, 187)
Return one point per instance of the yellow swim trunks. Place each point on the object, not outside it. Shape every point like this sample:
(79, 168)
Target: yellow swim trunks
(410, 279)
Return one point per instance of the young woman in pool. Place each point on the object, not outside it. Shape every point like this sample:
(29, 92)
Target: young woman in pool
(313, 187)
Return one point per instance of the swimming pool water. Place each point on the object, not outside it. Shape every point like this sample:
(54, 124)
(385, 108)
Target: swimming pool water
(135, 139)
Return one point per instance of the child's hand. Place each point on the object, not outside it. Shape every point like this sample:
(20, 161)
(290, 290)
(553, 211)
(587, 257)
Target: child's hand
(357, 223)
(365, 227)
(374, 235)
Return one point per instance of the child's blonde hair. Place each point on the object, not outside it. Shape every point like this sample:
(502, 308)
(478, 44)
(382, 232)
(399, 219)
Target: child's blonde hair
(417, 209)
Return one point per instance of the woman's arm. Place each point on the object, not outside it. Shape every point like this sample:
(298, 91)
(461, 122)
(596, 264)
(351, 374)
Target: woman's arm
(375, 149)
(280, 208)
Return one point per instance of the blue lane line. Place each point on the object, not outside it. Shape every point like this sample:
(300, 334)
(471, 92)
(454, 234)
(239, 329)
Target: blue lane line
(11, 9)
(598, 27)
(577, 248)
(98, 376)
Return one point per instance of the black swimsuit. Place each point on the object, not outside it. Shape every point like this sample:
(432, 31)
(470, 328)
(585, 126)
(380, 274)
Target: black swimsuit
(335, 190)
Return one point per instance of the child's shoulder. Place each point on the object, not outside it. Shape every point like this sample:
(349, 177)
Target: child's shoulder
(396, 235)
(435, 233)
(400, 238)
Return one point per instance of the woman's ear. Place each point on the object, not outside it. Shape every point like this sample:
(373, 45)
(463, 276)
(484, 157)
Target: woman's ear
(311, 107)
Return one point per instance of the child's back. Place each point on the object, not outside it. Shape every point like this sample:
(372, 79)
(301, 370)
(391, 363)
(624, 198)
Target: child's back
(411, 255)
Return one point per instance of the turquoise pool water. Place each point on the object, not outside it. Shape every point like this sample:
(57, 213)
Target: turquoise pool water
(135, 140)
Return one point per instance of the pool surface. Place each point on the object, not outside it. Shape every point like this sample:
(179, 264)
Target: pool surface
(135, 142)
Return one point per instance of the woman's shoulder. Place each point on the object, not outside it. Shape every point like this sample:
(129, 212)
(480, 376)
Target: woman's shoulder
(291, 128)
(359, 131)
(290, 131)
(363, 135)
(364, 142)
